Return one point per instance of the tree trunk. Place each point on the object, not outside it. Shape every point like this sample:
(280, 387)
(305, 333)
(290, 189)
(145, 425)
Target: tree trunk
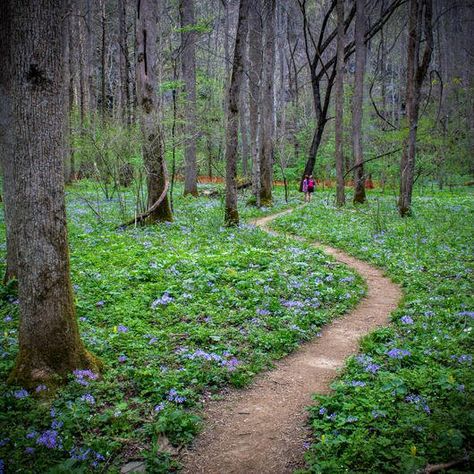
(231, 217)
(153, 158)
(32, 78)
(357, 103)
(244, 113)
(188, 64)
(340, 195)
(420, 14)
(103, 92)
(268, 106)
(124, 63)
(255, 71)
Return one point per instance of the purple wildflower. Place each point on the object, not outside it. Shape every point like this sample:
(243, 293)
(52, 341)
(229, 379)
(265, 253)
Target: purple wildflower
(406, 320)
(468, 314)
(322, 411)
(306, 445)
(50, 439)
(352, 419)
(84, 376)
(88, 398)
(29, 450)
(79, 454)
(3, 442)
(398, 353)
(56, 424)
(159, 407)
(152, 340)
(22, 393)
(7, 318)
(31, 435)
(121, 328)
(357, 383)
(164, 300)
(292, 304)
(122, 358)
(40, 388)
(100, 304)
(263, 312)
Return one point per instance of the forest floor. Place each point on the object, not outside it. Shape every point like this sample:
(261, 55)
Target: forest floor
(263, 429)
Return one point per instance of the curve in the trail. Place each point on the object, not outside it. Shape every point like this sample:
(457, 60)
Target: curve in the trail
(262, 429)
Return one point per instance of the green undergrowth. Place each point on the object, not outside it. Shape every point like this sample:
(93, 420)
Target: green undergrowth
(406, 400)
(176, 312)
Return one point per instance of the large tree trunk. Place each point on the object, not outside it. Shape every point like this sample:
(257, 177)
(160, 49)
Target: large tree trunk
(231, 217)
(268, 106)
(255, 72)
(420, 17)
(357, 103)
(32, 78)
(103, 91)
(340, 195)
(188, 64)
(153, 158)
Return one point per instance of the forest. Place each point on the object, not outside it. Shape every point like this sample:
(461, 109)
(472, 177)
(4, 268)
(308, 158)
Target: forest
(236, 236)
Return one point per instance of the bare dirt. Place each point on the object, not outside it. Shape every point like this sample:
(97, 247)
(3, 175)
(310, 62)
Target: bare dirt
(262, 429)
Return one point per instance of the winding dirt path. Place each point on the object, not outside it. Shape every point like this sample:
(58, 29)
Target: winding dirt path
(262, 429)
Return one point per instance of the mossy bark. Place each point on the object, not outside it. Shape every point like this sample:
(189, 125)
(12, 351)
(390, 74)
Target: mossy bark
(231, 217)
(153, 156)
(49, 343)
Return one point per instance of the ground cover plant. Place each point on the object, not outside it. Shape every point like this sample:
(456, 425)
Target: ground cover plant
(176, 311)
(405, 400)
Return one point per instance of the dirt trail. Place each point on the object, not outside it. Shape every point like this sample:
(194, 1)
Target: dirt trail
(262, 429)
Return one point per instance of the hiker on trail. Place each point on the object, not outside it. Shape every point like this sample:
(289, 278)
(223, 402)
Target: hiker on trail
(305, 187)
(311, 185)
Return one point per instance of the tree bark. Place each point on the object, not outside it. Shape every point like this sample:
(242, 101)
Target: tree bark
(188, 64)
(124, 63)
(32, 78)
(244, 113)
(340, 195)
(420, 12)
(357, 103)
(153, 158)
(231, 217)
(255, 71)
(268, 105)
(103, 92)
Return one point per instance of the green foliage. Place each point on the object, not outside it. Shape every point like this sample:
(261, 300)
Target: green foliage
(174, 310)
(396, 411)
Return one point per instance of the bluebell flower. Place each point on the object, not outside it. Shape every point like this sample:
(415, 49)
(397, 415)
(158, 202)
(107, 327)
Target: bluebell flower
(159, 407)
(121, 328)
(29, 450)
(122, 358)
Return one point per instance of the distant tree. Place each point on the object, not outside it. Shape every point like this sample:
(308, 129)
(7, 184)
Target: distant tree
(231, 217)
(420, 19)
(33, 100)
(357, 102)
(153, 157)
(340, 194)
(188, 65)
(267, 149)
(255, 36)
